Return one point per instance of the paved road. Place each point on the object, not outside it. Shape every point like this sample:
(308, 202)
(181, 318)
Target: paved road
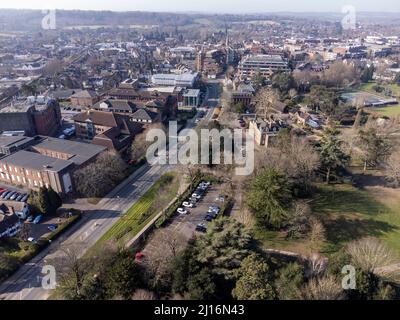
(26, 282)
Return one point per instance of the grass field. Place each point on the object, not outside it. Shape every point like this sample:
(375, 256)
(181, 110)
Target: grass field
(369, 88)
(389, 111)
(348, 214)
(144, 210)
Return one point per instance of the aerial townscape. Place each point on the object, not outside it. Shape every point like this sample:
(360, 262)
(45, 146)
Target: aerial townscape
(85, 212)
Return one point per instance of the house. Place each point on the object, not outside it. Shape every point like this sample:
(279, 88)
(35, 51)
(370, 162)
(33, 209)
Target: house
(112, 130)
(243, 94)
(84, 98)
(115, 105)
(265, 130)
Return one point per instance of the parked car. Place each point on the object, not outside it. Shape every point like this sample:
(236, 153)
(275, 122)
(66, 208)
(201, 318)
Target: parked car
(182, 211)
(193, 200)
(214, 209)
(196, 196)
(14, 196)
(9, 195)
(52, 227)
(38, 219)
(30, 219)
(187, 204)
(19, 197)
(25, 198)
(2, 191)
(31, 239)
(207, 183)
(201, 228)
(220, 199)
(209, 218)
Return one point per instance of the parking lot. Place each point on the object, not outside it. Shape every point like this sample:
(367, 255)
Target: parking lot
(183, 227)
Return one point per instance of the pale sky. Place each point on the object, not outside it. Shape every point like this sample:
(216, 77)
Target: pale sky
(217, 6)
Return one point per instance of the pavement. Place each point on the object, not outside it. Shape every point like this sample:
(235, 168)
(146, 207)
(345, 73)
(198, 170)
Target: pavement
(25, 284)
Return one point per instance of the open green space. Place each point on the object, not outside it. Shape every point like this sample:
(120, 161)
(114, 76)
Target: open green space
(347, 214)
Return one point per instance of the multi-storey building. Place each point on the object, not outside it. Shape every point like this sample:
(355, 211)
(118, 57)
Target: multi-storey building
(48, 162)
(262, 64)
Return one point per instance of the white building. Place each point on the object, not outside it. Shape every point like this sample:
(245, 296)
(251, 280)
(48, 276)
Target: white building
(264, 64)
(187, 80)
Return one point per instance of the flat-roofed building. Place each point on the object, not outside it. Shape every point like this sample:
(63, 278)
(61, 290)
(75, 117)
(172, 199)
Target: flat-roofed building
(180, 80)
(34, 170)
(47, 162)
(79, 153)
(263, 64)
(32, 117)
(9, 145)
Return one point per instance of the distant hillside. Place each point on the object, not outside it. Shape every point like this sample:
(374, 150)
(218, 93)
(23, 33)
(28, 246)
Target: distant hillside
(30, 20)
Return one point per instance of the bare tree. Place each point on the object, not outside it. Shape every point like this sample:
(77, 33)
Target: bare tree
(393, 169)
(370, 254)
(324, 288)
(265, 99)
(143, 295)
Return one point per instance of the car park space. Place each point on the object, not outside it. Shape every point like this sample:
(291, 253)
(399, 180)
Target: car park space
(203, 207)
(13, 194)
(183, 226)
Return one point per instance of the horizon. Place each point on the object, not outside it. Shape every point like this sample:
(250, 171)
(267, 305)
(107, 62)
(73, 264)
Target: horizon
(221, 7)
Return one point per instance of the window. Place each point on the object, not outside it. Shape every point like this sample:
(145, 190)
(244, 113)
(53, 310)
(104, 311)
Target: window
(18, 179)
(38, 174)
(35, 183)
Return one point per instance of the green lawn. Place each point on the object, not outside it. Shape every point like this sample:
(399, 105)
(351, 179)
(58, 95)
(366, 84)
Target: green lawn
(369, 88)
(389, 111)
(144, 210)
(350, 214)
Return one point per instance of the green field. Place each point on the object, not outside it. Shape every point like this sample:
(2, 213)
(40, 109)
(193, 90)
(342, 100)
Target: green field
(389, 111)
(369, 88)
(347, 214)
(144, 210)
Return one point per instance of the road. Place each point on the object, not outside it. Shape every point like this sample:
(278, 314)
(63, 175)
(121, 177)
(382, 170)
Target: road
(25, 284)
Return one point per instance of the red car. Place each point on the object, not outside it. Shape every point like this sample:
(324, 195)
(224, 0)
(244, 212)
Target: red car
(2, 191)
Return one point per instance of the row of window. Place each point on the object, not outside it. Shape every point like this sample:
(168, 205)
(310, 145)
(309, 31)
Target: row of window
(18, 179)
(18, 170)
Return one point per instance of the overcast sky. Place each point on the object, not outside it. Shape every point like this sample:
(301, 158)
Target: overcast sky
(217, 6)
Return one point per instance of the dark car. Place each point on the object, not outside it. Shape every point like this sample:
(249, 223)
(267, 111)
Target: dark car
(209, 218)
(201, 228)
